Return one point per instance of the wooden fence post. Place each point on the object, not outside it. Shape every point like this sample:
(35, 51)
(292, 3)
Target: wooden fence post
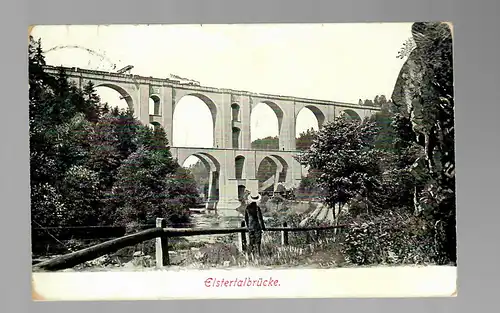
(284, 235)
(162, 257)
(243, 238)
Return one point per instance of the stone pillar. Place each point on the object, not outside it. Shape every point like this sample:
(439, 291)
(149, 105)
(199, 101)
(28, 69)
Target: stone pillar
(219, 140)
(210, 191)
(245, 110)
(167, 112)
(250, 165)
(143, 113)
(228, 201)
(276, 180)
(294, 173)
(330, 116)
(252, 185)
(287, 131)
(225, 125)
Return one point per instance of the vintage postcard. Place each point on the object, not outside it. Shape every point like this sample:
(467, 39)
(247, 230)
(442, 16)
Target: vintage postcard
(242, 161)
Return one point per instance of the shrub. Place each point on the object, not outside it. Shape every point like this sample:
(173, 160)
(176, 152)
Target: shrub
(391, 238)
(299, 238)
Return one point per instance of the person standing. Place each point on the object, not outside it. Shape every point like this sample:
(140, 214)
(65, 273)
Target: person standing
(254, 222)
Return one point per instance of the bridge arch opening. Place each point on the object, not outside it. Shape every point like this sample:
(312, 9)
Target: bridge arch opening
(271, 171)
(194, 120)
(235, 112)
(154, 105)
(351, 115)
(265, 126)
(200, 171)
(239, 163)
(309, 120)
(206, 175)
(115, 96)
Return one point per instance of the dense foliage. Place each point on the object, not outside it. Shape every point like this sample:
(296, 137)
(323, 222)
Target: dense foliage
(424, 97)
(343, 154)
(305, 139)
(378, 101)
(309, 189)
(200, 174)
(94, 165)
(267, 143)
(388, 238)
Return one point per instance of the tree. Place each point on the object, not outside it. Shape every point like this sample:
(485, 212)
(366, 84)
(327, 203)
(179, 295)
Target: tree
(82, 154)
(58, 140)
(200, 175)
(82, 197)
(267, 143)
(149, 184)
(305, 139)
(344, 156)
(386, 134)
(309, 187)
(368, 102)
(397, 154)
(382, 99)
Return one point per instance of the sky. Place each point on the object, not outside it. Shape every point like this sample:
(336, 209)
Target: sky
(338, 62)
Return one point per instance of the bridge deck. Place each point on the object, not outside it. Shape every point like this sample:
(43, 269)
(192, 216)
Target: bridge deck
(130, 78)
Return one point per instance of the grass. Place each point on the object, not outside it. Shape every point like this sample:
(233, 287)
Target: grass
(319, 254)
(303, 251)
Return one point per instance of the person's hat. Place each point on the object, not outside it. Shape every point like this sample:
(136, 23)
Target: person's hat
(254, 196)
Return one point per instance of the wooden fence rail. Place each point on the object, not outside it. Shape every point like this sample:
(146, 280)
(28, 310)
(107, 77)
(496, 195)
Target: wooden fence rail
(161, 233)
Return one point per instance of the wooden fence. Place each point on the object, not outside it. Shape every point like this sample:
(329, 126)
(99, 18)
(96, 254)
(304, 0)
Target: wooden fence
(55, 240)
(162, 234)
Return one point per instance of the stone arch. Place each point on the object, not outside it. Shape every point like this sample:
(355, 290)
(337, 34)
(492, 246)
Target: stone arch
(212, 107)
(210, 104)
(212, 193)
(155, 105)
(318, 113)
(279, 113)
(304, 143)
(235, 112)
(276, 109)
(351, 115)
(213, 163)
(239, 167)
(208, 165)
(279, 176)
(122, 91)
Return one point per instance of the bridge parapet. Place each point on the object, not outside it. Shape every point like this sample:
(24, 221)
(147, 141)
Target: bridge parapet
(138, 79)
